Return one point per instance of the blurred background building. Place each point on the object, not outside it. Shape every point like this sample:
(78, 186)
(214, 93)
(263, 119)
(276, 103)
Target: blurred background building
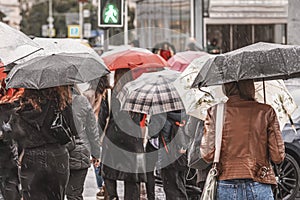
(169, 21)
(293, 27)
(237, 23)
(10, 12)
(233, 23)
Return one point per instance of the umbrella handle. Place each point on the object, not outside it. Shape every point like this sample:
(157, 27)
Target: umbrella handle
(207, 93)
(292, 123)
(164, 142)
(264, 90)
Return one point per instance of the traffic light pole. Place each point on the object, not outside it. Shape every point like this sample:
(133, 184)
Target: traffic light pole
(106, 39)
(81, 20)
(110, 14)
(50, 19)
(126, 23)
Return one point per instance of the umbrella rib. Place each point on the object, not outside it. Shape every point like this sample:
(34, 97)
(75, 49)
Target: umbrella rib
(78, 72)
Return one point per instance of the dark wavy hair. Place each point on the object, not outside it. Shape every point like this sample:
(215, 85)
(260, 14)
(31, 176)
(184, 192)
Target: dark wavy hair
(121, 77)
(102, 85)
(61, 94)
(245, 89)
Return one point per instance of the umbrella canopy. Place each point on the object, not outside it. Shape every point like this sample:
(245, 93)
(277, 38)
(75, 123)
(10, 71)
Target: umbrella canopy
(131, 58)
(278, 96)
(2, 73)
(61, 45)
(55, 70)
(260, 61)
(196, 102)
(14, 44)
(151, 93)
(181, 60)
(138, 71)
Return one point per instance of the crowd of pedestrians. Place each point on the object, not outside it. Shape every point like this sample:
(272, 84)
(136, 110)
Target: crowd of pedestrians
(35, 165)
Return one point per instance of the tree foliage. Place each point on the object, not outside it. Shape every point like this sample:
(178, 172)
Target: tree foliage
(34, 17)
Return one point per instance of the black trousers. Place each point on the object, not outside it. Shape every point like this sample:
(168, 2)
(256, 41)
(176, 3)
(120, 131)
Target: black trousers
(174, 182)
(9, 184)
(45, 173)
(150, 162)
(132, 190)
(76, 184)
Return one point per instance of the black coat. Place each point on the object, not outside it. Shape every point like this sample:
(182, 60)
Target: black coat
(31, 128)
(173, 137)
(122, 141)
(8, 156)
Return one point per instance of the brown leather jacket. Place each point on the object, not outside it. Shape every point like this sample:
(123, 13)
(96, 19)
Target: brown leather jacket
(251, 138)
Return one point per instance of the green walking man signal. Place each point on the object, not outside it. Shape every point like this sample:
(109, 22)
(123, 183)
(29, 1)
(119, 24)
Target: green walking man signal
(110, 13)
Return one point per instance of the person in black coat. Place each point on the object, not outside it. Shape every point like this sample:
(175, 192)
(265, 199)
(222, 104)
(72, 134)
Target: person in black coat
(121, 146)
(45, 162)
(9, 180)
(172, 156)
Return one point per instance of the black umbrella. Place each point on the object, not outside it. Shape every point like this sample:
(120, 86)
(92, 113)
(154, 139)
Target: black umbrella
(55, 70)
(260, 61)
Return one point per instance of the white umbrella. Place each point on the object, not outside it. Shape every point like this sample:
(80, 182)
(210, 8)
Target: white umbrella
(196, 102)
(61, 45)
(15, 45)
(278, 96)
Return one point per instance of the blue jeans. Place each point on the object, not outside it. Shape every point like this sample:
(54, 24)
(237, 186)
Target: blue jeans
(99, 178)
(243, 189)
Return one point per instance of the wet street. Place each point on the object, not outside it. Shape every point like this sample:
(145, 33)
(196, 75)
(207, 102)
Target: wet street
(91, 189)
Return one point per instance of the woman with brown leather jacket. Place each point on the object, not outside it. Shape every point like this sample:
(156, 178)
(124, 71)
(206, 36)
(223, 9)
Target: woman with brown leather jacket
(251, 139)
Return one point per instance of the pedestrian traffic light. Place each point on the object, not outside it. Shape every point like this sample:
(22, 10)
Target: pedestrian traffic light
(110, 13)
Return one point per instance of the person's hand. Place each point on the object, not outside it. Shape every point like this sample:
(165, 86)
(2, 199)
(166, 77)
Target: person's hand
(182, 151)
(216, 51)
(96, 162)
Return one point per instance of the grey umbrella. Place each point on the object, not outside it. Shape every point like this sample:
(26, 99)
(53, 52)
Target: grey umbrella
(260, 61)
(55, 70)
(15, 44)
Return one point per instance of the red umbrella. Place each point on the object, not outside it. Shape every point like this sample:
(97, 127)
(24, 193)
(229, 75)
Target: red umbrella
(132, 58)
(2, 73)
(181, 60)
(138, 71)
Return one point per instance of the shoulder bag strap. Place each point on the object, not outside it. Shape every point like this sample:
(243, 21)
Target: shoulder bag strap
(219, 130)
